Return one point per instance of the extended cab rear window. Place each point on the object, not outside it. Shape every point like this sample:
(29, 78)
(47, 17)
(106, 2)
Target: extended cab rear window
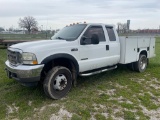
(111, 33)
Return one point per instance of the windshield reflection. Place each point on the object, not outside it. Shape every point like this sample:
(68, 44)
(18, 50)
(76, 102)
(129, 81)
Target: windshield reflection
(69, 33)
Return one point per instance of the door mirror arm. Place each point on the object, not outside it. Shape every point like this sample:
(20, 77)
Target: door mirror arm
(83, 40)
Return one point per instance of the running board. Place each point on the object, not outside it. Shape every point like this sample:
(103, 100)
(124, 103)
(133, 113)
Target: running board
(98, 71)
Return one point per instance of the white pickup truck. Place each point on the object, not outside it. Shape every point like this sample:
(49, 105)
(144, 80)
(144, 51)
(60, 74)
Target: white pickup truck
(76, 50)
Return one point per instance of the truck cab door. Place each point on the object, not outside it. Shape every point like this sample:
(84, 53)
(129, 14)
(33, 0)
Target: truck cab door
(114, 45)
(93, 56)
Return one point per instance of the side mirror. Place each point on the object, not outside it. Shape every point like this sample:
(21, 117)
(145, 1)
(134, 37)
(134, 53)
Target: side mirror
(94, 39)
(83, 40)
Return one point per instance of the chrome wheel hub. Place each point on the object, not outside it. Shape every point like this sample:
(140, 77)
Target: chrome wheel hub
(60, 82)
(143, 63)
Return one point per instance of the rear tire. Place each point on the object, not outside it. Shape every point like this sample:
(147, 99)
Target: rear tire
(130, 66)
(141, 64)
(58, 82)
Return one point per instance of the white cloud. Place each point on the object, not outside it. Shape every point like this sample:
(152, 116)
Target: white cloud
(58, 13)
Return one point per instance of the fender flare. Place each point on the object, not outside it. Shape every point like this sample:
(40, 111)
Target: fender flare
(62, 55)
(144, 50)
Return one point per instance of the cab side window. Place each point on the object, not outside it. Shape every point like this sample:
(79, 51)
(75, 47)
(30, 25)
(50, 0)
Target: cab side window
(111, 33)
(98, 30)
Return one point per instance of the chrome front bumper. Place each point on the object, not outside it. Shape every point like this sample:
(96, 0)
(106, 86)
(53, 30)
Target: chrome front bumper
(24, 73)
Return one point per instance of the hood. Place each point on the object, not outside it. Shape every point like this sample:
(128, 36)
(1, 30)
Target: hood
(37, 45)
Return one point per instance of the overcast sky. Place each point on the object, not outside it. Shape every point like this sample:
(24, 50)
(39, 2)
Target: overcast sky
(58, 13)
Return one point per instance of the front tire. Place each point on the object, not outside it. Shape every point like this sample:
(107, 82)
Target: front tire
(141, 64)
(58, 82)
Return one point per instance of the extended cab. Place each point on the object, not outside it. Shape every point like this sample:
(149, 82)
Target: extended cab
(76, 50)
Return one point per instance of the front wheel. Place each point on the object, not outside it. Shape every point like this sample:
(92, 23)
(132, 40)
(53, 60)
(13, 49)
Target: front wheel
(141, 64)
(58, 82)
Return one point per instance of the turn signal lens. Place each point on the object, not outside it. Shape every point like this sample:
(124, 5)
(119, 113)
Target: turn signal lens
(35, 62)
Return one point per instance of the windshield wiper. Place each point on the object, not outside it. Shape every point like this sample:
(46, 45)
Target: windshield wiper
(60, 38)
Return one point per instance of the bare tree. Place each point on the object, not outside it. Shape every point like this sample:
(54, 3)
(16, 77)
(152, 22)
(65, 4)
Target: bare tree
(122, 27)
(28, 22)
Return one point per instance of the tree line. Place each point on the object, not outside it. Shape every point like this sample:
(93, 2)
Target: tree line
(30, 24)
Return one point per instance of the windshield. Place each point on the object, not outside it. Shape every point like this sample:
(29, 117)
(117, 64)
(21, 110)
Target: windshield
(70, 33)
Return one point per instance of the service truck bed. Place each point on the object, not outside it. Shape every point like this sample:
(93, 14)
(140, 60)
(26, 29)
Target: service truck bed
(133, 45)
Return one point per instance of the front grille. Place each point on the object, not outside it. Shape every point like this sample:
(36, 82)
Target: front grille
(13, 57)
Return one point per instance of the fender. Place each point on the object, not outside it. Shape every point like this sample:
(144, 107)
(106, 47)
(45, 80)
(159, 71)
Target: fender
(142, 50)
(62, 55)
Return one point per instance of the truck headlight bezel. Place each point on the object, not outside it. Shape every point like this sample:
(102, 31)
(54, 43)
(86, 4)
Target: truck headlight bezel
(28, 58)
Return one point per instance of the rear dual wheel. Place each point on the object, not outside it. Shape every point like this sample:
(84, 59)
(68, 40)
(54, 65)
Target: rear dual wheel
(130, 66)
(140, 65)
(58, 82)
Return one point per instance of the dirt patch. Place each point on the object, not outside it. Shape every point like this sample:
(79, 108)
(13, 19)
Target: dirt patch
(100, 92)
(108, 92)
(116, 109)
(120, 86)
(105, 115)
(155, 86)
(111, 92)
(39, 111)
(92, 116)
(116, 118)
(137, 80)
(121, 100)
(153, 114)
(62, 114)
(154, 99)
(29, 103)
(98, 106)
(153, 80)
(146, 75)
(15, 119)
(11, 109)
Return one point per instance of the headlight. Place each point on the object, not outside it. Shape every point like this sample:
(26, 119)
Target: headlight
(29, 58)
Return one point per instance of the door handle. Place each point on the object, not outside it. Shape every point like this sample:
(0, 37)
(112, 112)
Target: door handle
(107, 47)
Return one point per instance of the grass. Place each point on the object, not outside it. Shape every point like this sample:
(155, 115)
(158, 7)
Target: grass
(116, 94)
